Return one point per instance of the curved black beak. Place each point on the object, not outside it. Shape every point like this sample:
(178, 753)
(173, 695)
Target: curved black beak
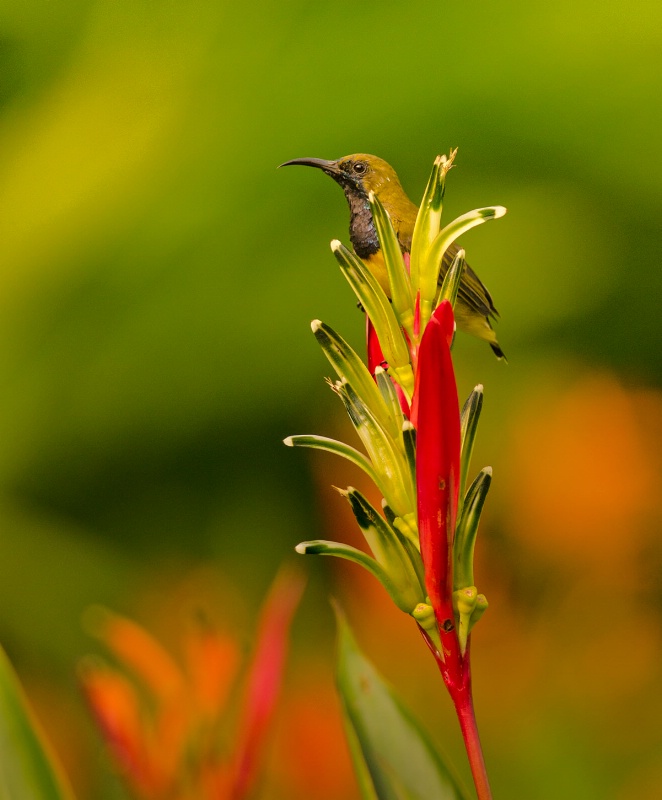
(330, 167)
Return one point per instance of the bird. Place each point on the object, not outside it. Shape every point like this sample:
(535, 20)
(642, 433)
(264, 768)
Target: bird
(361, 173)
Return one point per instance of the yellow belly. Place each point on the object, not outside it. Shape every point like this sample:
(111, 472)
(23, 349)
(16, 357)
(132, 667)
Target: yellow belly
(377, 267)
(469, 321)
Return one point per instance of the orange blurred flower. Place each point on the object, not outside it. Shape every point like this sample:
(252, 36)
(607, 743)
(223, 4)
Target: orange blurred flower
(162, 720)
(596, 476)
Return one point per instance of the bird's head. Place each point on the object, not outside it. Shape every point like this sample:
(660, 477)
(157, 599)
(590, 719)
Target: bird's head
(358, 174)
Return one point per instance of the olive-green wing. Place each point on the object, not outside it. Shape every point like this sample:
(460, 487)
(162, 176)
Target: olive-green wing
(472, 290)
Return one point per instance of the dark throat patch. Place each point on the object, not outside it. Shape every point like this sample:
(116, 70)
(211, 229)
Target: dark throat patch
(362, 231)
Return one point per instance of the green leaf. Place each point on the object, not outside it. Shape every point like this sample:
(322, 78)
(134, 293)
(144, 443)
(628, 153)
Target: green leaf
(351, 368)
(409, 439)
(28, 770)
(378, 308)
(468, 425)
(322, 547)
(361, 771)
(467, 528)
(390, 397)
(388, 512)
(395, 265)
(387, 456)
(452, 279)
(340, 449)
(389, 549)
(396, 752)
(409, 530)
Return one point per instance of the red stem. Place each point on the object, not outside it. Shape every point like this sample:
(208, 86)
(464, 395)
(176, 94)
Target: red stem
(464, 707)
(456, 672)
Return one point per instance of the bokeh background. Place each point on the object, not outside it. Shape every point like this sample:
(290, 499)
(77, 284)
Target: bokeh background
(157, 283)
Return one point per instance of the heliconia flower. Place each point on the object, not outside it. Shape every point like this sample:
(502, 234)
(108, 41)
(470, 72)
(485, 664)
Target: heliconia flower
(161, 721)
(418, 445)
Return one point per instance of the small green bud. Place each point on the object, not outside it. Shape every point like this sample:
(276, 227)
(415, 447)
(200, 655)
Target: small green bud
(424, 615)
(464, 603)
(479, 610)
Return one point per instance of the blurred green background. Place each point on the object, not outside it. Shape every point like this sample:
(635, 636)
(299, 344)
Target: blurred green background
(157, 283)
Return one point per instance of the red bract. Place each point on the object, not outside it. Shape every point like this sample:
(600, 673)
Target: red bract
(437, 420)
(436, 415)
(375, 354)
(376, 359)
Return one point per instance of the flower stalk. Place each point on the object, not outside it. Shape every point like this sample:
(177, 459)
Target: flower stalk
(404, 406)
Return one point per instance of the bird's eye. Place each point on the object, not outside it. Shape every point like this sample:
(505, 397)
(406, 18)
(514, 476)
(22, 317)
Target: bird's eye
(360, 168)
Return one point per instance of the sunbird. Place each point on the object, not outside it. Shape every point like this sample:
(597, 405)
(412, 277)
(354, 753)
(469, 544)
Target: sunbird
(360, 174)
